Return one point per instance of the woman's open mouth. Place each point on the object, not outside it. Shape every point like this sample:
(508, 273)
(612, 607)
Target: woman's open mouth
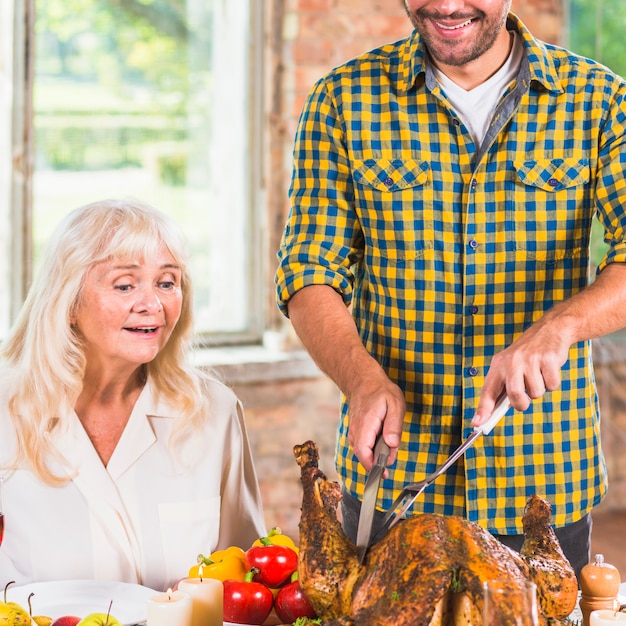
(145, 331)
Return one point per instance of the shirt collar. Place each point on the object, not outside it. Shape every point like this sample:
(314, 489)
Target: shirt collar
(542, 68)
(540, 65)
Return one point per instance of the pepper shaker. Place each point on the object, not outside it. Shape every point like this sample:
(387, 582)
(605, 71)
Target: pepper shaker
(599, 585)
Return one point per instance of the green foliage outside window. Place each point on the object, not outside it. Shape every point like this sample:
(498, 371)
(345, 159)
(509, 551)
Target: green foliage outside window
(596, 30)
(125, 62)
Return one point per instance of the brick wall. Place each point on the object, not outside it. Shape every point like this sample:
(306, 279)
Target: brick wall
(305, 39)
(279, 416)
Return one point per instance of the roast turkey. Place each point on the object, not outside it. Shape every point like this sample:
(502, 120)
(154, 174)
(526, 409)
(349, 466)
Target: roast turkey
(428, 570)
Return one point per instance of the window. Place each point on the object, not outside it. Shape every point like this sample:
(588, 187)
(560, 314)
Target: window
(596, 30)
(153, 100)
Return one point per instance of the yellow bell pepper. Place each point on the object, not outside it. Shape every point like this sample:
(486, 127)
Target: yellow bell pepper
(275, 537)
(223, 565)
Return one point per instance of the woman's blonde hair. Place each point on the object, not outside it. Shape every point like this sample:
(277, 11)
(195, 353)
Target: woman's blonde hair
(44, 355)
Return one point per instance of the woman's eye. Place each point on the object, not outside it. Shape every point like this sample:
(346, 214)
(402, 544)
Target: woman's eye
(167, 284)
(123, 288)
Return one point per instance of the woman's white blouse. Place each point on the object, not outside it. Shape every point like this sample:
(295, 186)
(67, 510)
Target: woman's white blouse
(146, 516)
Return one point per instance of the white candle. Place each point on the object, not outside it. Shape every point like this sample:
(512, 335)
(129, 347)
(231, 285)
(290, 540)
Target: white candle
(606, 617)
(207, 596)
(172, 608)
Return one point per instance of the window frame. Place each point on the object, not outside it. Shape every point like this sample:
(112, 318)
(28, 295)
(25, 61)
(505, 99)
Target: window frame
(21, 167)
(19, 201)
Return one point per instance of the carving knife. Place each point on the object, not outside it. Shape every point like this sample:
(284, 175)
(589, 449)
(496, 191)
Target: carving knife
(368, 506)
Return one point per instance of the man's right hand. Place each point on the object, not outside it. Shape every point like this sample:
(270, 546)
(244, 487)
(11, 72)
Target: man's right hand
(376, 404)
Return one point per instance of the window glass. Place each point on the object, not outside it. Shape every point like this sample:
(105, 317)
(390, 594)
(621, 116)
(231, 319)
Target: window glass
(596, 30)
(151, 100)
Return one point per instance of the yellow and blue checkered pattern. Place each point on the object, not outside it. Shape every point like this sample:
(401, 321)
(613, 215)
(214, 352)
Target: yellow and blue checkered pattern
(447, 251)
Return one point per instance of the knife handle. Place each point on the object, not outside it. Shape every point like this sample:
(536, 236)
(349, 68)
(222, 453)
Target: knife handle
(381, 451)
(499, 411)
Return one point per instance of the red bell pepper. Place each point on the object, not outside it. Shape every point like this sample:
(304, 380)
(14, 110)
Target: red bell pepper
(247, 602)
(290, 602)
(275, 563)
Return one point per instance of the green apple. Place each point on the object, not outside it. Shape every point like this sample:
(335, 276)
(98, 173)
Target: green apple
(98, 619)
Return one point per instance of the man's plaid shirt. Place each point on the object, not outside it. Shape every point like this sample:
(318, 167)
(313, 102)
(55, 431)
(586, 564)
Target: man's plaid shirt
(447, 251)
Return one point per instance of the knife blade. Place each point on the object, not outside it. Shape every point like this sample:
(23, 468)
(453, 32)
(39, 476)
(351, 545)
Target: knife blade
(370, 495)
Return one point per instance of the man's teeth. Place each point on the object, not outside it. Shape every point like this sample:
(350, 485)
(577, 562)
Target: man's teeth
(454, 27)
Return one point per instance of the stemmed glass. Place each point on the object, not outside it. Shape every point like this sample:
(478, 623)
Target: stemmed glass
(510, 603)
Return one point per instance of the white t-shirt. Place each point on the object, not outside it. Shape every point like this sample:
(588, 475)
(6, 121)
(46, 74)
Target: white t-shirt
(476, 106)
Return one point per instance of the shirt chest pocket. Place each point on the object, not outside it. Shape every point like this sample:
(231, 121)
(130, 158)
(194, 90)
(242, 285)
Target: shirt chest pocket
(389, 175)
(394, 201)
(550, 208)
(555, 175)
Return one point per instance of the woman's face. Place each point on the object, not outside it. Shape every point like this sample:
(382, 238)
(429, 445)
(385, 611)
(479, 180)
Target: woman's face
(127, 310)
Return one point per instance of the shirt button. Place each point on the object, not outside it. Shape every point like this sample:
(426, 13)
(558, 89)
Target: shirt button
(473, 183)
(473, 244)
(457, 121)
(472, 371)
(473, 309)
(553, 182)
(388, 181)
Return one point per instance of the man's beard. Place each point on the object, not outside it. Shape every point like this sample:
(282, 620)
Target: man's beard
(458, 53)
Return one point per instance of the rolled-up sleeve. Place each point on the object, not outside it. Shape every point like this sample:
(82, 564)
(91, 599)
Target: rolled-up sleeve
(321, 240)
(611, 182)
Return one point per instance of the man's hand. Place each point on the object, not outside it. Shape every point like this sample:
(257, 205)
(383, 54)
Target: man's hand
(532, 364)
(376, 405)
(528, 368)
(327, 330)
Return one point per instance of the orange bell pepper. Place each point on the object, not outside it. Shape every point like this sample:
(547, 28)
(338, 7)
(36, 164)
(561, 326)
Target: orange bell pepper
(223, 565)
(276, 538)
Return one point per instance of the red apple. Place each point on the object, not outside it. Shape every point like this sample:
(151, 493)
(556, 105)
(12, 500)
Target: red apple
(66, 620)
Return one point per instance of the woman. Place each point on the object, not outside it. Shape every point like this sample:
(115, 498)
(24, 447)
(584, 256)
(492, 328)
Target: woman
(121, 461)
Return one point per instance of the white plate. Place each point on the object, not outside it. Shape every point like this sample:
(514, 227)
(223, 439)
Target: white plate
(82, 597)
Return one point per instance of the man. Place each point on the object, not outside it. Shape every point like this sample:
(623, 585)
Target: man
(444, 187)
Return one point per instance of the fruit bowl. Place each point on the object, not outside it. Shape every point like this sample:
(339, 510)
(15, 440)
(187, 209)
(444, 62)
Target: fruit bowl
(83, 597)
